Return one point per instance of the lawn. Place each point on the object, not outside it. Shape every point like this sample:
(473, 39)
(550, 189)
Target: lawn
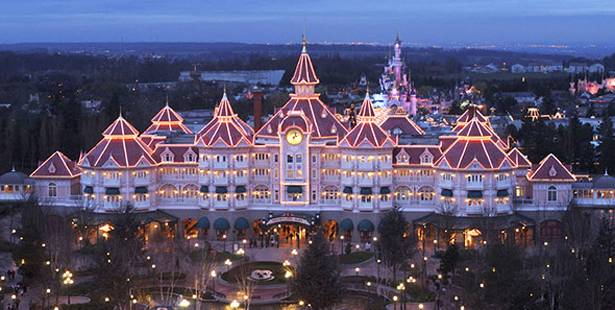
(355, 257)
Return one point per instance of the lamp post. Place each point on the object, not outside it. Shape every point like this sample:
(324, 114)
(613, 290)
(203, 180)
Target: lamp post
(213, 276)
(287, 275)
(342, 245)
(68, 280)
(228, 264)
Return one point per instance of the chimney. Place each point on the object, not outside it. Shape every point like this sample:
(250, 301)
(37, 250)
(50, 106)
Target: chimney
(257, 97)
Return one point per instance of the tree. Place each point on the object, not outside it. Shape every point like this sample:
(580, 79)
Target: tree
(396, 244)
(449, 261)
(317, 280)
(118, 259)
(607, 146)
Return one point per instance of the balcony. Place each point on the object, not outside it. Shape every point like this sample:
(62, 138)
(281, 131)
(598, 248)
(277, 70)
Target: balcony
(366, 206)
(142, 181)
(111, 182)
(474, 185)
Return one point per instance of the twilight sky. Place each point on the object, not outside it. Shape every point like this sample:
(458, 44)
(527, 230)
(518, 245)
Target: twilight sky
(282, 21)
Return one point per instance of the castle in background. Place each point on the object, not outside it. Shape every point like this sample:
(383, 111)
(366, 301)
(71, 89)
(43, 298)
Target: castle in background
(396, 84)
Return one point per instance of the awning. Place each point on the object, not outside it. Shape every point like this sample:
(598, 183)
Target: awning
(366, 190)
(203, 223)
(366, 226)
(385, 190)
(204, 189)
(347, 190)
(240, 189)
(346, 224)
(294, 189)
(241, 223)
(112, 191)
(221, 190)
(502, 193)
(498, 222)
(475, 194)
(88, 190)
(141, 190)
(221, 224)
(446, 192)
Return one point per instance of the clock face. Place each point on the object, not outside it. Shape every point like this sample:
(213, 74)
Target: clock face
(294, 136)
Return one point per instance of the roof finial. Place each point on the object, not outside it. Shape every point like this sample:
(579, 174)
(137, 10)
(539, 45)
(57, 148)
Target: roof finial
(303, 43)
(606, 171)
(13, 169)
(120, 111)
(167, 103)
(224, 93)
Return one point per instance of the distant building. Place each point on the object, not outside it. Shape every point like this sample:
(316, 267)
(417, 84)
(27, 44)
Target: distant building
(252, 77)
(596, 68)
(517, 68)
(15, 186)
(577, 67)
(524, 98)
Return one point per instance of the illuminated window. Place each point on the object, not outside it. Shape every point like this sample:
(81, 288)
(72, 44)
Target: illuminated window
(426, 193)
(475, 178)
(52, 190)
(261, 193)
(402, 193)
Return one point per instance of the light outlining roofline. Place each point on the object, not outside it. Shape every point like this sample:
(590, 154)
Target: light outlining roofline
(62, 159)
(542, 163)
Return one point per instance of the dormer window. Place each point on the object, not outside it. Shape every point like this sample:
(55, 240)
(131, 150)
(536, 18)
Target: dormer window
(323, 114)
(167, 157)
(426, 159)
(333, 129)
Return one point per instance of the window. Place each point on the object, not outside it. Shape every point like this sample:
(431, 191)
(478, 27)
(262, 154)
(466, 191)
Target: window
(221, 197)
(366, 198)
(241, 196)
(261, 172)
(552, 193)
(264, 156)
(447, 177)
(475, 178)
(190, 158)
(313, 158)
(402, 193)
(519, 192)
(276, 195)
(426, 159)
(289, 159)
(52, 190)
(275, 158)
(501, 177)
(239, 158)
(140, 197)
(168, 157)
(426, 194)
(141, 174)
(261, 193)
(240, 173)
(314, 195)
(330, 193)
(298, 158)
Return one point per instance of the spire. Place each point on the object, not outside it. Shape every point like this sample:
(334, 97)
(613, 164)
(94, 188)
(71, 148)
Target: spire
(167, 101)
(224, 107)
(303, 43)
(367, 110)
(304, 75)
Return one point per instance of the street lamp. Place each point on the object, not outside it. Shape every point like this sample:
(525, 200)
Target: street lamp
(287, 275)
(68, 280)
(213, 275)
(357, 270)
(228, 264)
(234, 304)
(184, 303)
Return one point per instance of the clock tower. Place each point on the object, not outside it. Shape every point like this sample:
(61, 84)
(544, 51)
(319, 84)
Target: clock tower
(294, 135)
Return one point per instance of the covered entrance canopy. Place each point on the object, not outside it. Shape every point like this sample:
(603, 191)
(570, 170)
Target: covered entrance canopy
(499, 222)
(83, 217)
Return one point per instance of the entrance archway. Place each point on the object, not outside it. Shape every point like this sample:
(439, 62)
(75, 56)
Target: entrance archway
(287, 230)
(472, 237)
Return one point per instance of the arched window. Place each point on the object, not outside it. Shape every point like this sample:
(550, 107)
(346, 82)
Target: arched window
(167, 191)
(402, 193)
(426, 193)
(52, 190)
(261, 193)
(330, 193)
(190, 191)
(552, 193)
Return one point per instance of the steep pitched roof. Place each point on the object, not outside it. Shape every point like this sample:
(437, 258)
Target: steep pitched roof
(167, 120)
(367, 130)
(400, 120)
(120, 128)
(519, 159)
(120, 147)
(57, 165)
(551, 169)
(474, 144)
(471, 113)
(225, 127)
(304, 71)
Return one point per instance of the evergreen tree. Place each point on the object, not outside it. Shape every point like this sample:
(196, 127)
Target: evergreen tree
(449, 261)
(396, 243)
(607, 146)
(317, 280)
